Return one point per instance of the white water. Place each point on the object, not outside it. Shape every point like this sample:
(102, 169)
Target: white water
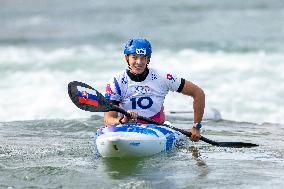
(245, 86)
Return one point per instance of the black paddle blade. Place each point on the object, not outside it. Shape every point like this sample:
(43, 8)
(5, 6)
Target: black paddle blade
(228, 144)
(87, 98)
(237, 144)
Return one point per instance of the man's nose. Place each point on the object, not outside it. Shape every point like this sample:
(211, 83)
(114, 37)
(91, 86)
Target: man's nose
(139, 60)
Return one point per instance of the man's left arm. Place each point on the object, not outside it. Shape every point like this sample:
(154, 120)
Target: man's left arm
(198, 95)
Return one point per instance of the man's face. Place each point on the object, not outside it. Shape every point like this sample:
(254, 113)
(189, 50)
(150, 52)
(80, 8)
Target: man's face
(137, 63)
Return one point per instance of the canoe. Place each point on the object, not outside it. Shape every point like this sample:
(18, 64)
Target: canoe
(137, 140)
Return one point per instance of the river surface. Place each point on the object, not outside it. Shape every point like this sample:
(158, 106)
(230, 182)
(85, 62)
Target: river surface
(60, 154)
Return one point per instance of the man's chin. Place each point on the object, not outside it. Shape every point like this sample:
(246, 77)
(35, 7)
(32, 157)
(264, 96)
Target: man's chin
(138, 71)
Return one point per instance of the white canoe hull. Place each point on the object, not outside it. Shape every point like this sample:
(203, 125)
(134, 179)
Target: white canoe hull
(136, 140)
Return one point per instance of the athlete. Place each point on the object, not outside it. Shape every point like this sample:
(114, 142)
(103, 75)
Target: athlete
(141, 90)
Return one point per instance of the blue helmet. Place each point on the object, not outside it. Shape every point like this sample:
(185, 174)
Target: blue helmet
(138, 46)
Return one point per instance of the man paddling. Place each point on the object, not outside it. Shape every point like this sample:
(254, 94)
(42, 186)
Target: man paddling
(141, 90)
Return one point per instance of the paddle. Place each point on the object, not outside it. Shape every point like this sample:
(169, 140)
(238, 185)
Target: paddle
(89, 99)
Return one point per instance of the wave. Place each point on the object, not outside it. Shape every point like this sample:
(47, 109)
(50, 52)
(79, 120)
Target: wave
(242, 86)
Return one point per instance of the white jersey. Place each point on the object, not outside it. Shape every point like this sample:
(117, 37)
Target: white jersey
(146, 97)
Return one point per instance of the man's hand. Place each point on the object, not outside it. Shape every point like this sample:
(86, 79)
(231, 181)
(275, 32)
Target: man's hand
(195, 134)
(131, 119)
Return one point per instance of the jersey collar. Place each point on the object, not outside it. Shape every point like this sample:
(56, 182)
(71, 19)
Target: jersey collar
(138, 77)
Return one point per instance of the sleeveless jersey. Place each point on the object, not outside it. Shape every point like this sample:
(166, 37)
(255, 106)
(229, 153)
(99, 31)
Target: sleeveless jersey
(146, 97)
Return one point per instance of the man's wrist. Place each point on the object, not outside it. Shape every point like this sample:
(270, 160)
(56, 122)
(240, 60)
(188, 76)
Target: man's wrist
(197, 125)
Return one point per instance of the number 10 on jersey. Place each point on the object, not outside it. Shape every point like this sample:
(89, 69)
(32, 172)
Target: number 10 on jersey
(141, 102)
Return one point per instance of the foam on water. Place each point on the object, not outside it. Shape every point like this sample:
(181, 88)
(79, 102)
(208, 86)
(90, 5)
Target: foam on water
(243, 86)
(34, 81)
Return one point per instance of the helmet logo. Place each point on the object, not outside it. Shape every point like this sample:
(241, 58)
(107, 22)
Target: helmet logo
(141, 51)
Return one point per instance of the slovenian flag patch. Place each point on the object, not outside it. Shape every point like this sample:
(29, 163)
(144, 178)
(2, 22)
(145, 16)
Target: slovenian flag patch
(86, 97)
(171, 78)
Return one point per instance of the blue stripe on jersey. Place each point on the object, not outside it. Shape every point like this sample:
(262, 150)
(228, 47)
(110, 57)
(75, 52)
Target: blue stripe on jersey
(117, 86)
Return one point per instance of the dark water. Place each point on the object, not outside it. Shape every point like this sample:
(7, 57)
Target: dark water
(60, 154)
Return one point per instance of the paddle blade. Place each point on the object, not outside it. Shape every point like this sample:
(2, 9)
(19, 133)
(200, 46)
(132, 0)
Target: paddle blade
(228, 144)
(87, 98)
(237, 144)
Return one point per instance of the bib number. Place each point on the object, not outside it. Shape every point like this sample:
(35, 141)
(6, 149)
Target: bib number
(142, 102)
